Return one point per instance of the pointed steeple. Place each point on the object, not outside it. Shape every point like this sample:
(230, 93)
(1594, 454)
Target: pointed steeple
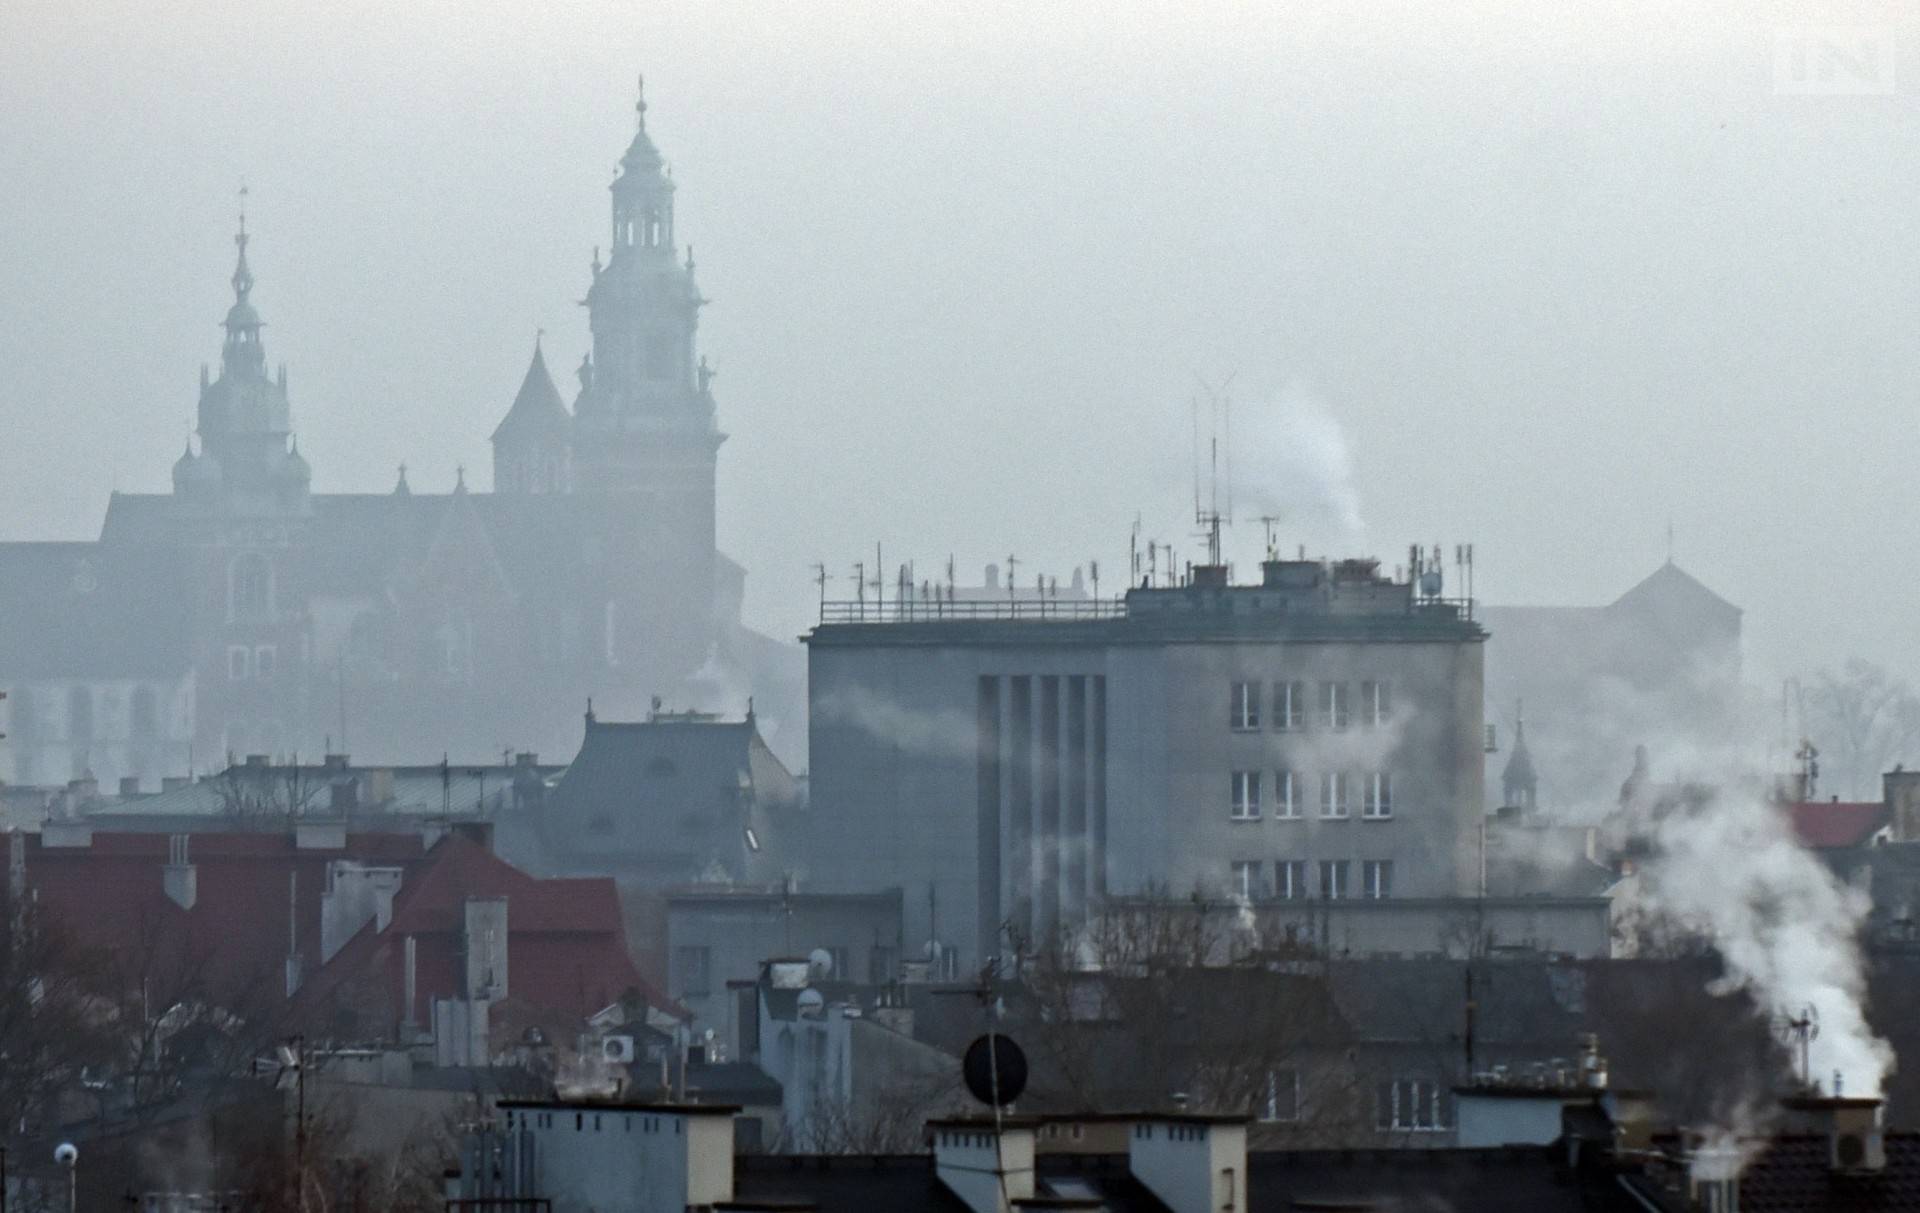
(400, 486)
(244, 421)
(530, 445)
(1519, 783)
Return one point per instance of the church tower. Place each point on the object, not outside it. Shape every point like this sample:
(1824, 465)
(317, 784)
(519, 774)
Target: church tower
(530, 444)
(644, 421)
(245, 465)
(644, 439)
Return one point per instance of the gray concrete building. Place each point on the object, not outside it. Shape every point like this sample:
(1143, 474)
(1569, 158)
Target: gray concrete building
(1010, 764)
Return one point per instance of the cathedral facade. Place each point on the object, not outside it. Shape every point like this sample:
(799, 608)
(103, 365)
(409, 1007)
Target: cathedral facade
(244, 613)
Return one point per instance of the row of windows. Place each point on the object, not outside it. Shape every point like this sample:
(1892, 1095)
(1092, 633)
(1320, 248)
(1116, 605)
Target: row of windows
(648, 1124)
(1338, 791)
(1416, 1105)
(1248, 879)
(1331, 704)
(257, 662)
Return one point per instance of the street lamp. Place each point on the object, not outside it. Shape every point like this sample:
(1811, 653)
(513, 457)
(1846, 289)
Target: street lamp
(68, 1156)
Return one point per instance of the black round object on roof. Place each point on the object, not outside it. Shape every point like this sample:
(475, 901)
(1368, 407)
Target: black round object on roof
(995, 1069)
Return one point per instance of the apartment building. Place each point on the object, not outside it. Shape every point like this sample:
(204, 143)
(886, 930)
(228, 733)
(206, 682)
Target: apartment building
(1314, 735)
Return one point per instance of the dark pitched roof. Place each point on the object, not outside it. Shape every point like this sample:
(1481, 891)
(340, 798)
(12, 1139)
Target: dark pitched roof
(90, 610)
(1509, 1180)
(537, 410)
(1670, 584)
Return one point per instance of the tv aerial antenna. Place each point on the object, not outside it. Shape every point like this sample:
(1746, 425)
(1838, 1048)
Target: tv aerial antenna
(1208, 515)
(1798, 1032)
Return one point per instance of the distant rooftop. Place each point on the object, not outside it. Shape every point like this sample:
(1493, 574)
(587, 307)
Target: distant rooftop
(1296, 597)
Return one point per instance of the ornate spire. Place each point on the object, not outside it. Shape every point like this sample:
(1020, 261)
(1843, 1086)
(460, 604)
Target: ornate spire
(640, 105)
(242, 276)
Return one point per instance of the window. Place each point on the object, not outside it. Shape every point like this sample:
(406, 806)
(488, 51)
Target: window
(239, 662)
(1289, 706)
(263, 658)
(1333, 879)
(1283, 1096)
(1376, 704)
(1411, 1104)
(880, 966)
(252, 586)
(1246, 796)
(1377, 795)
(1244, 706)
(837, 964)
(1246, 879)
(1286, 803)
(692, 970)
(1333, 705)
(1290, 879)
(1376, 879)
(1333, 794)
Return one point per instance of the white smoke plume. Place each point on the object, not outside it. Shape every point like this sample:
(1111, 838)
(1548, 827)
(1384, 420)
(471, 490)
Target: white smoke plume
(1724, 864)
(944, 733)
(1291, 459)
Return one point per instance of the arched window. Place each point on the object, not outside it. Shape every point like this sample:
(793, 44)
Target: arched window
(252, 585)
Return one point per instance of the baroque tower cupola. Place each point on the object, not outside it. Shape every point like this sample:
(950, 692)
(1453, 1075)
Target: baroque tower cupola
(245, 463)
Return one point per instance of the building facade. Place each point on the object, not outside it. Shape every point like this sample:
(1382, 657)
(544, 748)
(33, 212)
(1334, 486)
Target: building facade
(244, 613)
(1317, 735)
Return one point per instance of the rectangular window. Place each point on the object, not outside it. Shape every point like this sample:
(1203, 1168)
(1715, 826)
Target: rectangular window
(1289, 706)
(692, 970)
(1333, 794)
(1377, 795)
(1246, 880)
(1333, 879)
(1333, 705)
(1290, 879)
(263, 658)
(239, 662)
(1286, 801)
(1283, 1096)
(1376, 879)
(1376, 704)
(1244, 706)
(1410, 1104)
(1246, 795)
(837, 962)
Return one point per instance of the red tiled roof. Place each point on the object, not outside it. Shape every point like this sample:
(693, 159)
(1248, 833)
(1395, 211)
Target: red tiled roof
(1826, 824)
(566, 941)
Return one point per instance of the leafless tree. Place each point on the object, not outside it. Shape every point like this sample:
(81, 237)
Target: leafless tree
(1864, 719)
(48, 1037)
(266, 794)
(1210, 1008)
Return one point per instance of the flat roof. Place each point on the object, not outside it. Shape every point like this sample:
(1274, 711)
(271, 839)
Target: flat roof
(614, 1105)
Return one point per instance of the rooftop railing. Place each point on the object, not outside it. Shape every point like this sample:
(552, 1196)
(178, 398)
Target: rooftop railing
(934, 609)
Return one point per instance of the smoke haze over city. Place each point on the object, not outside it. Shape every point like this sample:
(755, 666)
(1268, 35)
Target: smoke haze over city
(1562, 279)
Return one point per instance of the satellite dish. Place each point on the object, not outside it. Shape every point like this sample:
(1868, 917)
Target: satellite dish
(812, 1002)
(821, 962)
(995, 1070)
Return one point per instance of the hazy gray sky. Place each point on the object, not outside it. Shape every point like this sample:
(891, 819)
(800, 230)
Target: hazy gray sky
(1555, 274)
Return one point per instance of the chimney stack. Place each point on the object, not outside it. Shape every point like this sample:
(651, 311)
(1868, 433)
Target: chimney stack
(1856, 1141)
(988, 1168)
(1195, 1163)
